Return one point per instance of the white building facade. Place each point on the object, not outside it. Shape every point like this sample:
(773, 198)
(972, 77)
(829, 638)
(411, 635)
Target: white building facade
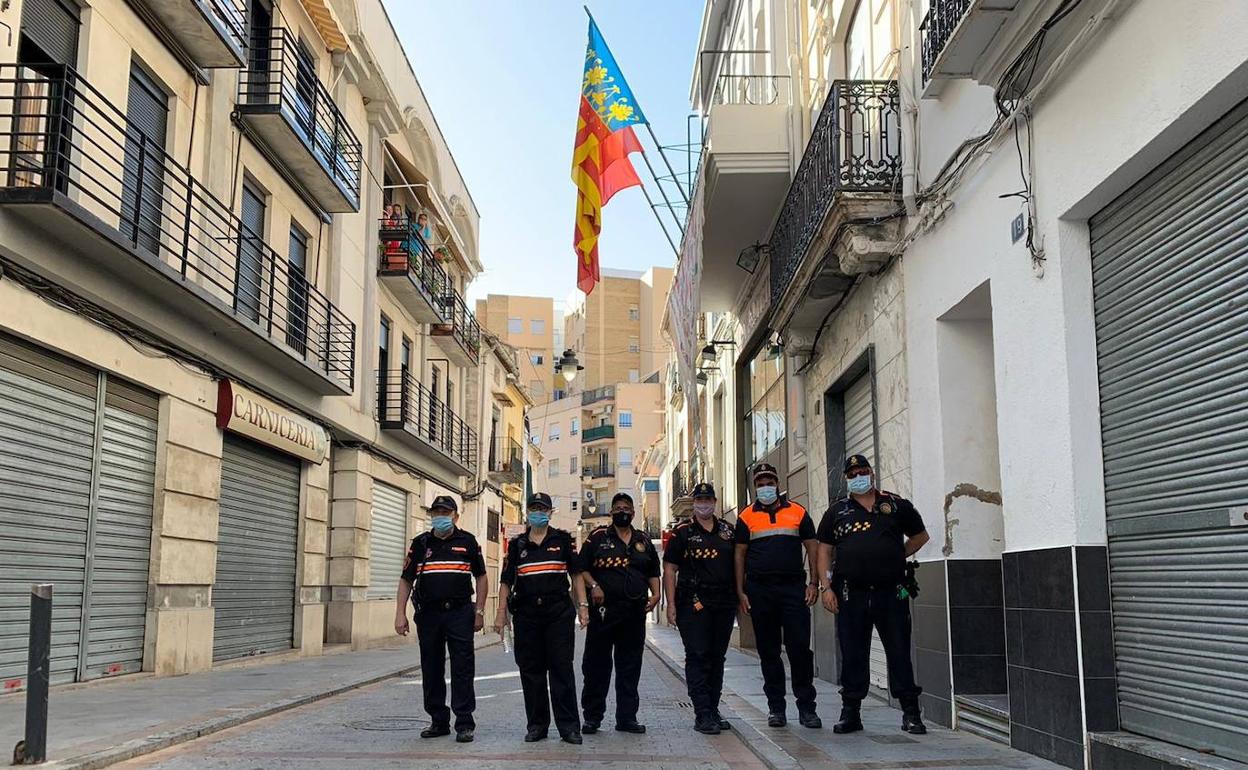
(1014, 285)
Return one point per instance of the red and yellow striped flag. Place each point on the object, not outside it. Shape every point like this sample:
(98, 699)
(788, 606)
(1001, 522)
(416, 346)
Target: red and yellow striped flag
(604, 140)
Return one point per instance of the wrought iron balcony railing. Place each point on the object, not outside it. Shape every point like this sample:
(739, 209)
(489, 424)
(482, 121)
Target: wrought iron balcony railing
(597, 433)
(680, 480)
(597, 394)
(751, 89)
(855, 147)
(404, 403)
(461, 325)
(405, 252)
(507, 459)
(281, 78)
(943, 17)
(63, 138)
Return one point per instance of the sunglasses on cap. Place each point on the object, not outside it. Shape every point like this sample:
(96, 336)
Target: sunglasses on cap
(854, 472)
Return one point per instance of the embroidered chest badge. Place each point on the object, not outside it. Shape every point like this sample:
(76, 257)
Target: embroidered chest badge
(886, 508)
(641, 547)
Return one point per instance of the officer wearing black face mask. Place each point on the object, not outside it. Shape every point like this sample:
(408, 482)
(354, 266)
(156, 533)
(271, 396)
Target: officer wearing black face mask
(621, 573)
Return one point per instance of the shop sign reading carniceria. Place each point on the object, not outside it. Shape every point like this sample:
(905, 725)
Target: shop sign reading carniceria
(248, 413)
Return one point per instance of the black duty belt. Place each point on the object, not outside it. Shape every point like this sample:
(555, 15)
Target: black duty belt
(548, 600)
(441, 604)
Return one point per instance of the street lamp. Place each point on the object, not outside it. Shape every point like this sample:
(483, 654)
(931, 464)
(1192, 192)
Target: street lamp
(568, 366)
(749, 257)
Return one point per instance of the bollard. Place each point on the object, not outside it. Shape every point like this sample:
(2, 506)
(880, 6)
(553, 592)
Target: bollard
(36, 742)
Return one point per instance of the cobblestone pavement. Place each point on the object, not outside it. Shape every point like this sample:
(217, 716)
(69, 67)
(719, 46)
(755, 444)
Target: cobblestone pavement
(378, 727)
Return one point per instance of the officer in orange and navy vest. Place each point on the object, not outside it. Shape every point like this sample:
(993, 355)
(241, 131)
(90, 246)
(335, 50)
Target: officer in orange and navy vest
(702, 602)
(535, 588)
(443, 570)
(864, 541)
(777, 591)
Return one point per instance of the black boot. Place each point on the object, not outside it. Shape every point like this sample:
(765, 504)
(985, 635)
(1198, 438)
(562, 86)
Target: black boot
(707, 724)
(723, 724)
(912, 717)
(850, 721)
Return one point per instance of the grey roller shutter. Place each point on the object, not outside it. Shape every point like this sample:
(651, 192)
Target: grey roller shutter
(122, 535)
(142, 193)
(254, 593)
(387, 540)
(53, 26)
(1170, 272)
(47, 442)
(249, 275)
(860, 440)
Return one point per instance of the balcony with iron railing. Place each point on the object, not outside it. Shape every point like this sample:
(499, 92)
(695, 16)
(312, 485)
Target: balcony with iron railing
(410, 270)
(956, 36)
(458, 333)
(413, 414)
(506, 461)
(598, 469)
(212, 32)
(93, 185)
(680, 480)
(855, 147)
(282, 101)
(597, 395)
(597, 433)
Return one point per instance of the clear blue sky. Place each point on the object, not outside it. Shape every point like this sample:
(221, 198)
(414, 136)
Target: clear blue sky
(503, 78)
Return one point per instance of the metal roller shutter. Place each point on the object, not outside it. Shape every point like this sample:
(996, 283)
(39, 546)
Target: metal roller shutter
(47, 444)
(53, 26)
(387, 540)
(254, 593)
(121, 541)
(860, 440)
(1170, 270)
(142, 194)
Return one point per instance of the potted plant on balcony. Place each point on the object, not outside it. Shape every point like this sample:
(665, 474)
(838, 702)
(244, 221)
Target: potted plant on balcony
(442, 254)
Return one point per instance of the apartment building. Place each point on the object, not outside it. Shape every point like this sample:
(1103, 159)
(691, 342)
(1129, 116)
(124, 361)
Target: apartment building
(234, 356)
(529, 325)
(994, 248)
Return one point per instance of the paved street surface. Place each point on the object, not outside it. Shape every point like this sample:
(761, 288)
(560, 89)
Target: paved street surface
(378, 727)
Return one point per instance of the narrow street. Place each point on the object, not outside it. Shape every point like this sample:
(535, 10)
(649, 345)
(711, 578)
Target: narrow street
(378, 727)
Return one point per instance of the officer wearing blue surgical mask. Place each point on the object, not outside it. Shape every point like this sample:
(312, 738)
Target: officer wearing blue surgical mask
(539, 564)
(443, 571)
(864, 541)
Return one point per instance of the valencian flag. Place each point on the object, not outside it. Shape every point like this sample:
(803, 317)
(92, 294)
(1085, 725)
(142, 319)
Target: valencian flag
(604, 139)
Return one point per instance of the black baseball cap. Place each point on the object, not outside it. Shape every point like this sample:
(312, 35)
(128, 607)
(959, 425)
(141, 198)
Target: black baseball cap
(622, 496)
(444, 501)
(854, 462)
(765, 469)
(540, 498)
(704, 490)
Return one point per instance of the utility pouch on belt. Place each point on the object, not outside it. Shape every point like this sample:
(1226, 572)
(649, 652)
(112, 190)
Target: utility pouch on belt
(908, 588)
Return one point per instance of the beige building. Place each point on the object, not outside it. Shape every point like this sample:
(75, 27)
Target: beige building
(554, 428)
(527, 324)
(232, 374)
(615, 330)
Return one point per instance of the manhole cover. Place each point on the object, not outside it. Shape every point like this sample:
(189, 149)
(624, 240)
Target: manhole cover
(389, 724)
(887, 739)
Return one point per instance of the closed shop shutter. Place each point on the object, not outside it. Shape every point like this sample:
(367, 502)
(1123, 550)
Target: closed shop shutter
(53, 26)
(74, 514)
(1170, 271)
(860, 440)
(254, 593)
(121, 539)
(387, 541)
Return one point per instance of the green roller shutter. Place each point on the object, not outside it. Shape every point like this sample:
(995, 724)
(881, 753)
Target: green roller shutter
(254, 593)
(1170, 273)
(387, 540)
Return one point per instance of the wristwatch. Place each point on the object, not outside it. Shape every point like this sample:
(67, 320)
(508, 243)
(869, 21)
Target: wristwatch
(584, 605)
(481, 613)
(593, 586)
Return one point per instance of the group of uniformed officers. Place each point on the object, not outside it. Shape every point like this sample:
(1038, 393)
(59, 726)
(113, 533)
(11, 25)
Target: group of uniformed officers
(772, 564)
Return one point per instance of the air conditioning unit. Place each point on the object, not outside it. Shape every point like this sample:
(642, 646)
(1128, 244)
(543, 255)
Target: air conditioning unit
(589, 496)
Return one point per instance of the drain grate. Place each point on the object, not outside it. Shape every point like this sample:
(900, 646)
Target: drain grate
(389, 724)
(891, 739)
(683, 704)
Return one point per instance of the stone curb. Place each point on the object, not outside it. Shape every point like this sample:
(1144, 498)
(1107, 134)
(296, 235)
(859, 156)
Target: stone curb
(767, 750)
(160, 741)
